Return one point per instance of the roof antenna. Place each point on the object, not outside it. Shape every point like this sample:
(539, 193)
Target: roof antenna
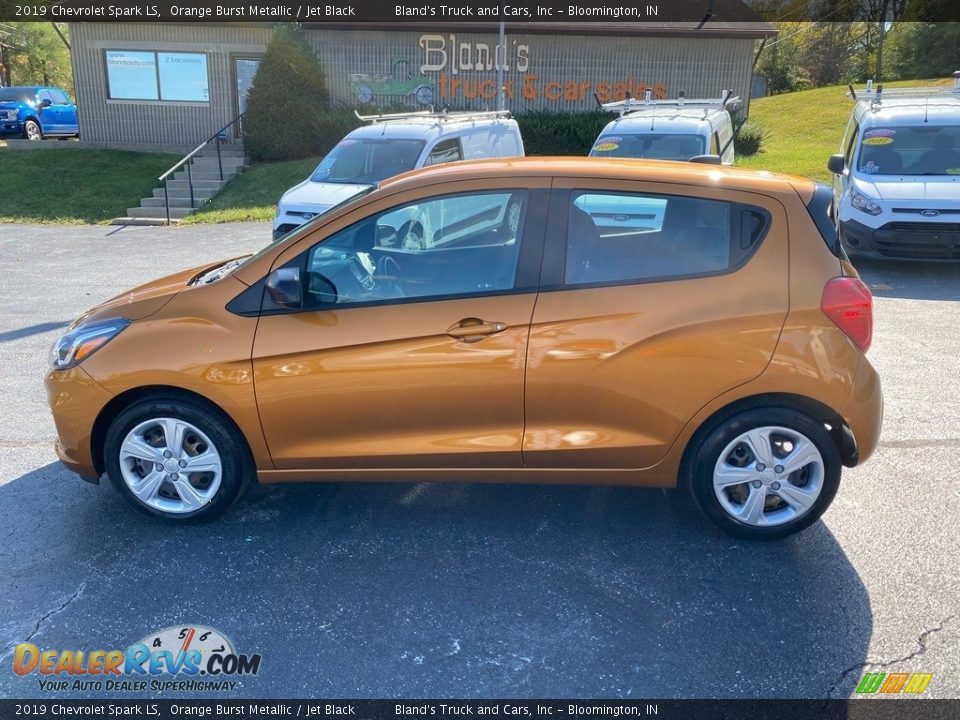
(707, 15)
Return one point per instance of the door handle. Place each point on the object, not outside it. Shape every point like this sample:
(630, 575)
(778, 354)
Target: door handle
(474, 329)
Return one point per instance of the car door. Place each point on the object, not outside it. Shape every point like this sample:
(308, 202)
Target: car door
(66, 112)
(656, 298)
(406, 354)
(47, 110)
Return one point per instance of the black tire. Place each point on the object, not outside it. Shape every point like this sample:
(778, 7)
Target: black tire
(31, 130)
(237, 464)
(705, 449)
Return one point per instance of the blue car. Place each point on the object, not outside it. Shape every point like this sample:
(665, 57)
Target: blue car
(35, 112)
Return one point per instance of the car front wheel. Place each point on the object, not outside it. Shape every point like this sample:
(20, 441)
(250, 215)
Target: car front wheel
(765, 473)
(31, 130)
(176, 461)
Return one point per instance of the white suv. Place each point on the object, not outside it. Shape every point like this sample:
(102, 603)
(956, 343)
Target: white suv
(390, 145)
(898, 194)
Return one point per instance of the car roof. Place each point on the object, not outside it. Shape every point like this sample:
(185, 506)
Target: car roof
(909, 111)
(667, 171)
(423, 128)
(681, 117)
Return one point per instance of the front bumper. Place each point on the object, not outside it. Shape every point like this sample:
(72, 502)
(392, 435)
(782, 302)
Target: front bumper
(929, 241)
(75, 400)
(10, 127)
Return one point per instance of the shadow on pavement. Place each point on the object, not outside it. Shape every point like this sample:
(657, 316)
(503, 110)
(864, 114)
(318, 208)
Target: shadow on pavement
(38, 329)
(440, 591)
(917, 280)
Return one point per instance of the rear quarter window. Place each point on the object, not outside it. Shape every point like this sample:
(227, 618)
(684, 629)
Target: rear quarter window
(622, 238)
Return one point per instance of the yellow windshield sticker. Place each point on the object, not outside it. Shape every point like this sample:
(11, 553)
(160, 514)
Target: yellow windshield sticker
(606, 146)
(878, 141)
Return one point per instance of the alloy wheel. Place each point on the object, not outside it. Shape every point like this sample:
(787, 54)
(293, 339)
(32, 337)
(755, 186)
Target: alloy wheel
(170, 465)
(768, 476)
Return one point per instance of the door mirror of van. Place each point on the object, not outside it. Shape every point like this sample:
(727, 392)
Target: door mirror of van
(837, 164)
(285, 288)
(706, 159)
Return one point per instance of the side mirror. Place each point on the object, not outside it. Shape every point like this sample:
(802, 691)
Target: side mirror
(706, 159)
(285, 288)
(45, 103)
(837, 164)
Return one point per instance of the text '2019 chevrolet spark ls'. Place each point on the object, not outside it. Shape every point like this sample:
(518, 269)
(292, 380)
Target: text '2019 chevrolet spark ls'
(570, 320)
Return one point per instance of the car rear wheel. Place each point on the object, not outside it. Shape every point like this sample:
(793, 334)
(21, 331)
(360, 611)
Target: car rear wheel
(765, 473)
(31, 130)
(176, 461)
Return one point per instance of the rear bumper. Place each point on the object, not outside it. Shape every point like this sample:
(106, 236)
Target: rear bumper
(863, 412)
(75, 400)
(928, 241)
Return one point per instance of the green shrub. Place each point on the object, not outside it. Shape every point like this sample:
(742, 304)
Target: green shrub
(556, 133)
(749, 140)
(287, 101)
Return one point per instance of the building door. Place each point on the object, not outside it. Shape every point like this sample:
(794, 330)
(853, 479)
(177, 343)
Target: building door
(244, 70)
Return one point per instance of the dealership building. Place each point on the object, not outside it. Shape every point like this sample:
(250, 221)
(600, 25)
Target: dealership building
(172, 85)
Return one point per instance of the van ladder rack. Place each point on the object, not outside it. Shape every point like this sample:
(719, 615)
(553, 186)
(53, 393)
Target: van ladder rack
(631, 104)
(439, 116)
(876, 95)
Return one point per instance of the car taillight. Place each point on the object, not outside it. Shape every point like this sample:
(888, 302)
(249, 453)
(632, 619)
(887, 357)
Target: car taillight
(849, 303)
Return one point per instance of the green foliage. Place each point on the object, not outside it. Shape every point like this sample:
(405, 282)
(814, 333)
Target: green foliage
(749, 140)
(556, 133)
(287, 101)
(919, 50)
(36, 55)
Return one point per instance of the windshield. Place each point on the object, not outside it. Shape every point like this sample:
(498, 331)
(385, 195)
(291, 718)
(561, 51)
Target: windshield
(16, 94)
(310, 223)
(368, 160)
(662, 146)
(924, 150)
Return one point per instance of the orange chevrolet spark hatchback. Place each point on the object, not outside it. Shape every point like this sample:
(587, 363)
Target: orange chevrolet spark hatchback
(569, 320)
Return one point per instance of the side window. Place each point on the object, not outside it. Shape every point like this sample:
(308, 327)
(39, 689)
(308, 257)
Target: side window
(617, 237)
(714, 144)
(851, 144)
(44, 95)
(59, 97)
(448, 246)
(445, 151)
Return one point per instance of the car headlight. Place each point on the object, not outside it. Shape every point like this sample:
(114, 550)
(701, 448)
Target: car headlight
(864, 204)
(84, 340)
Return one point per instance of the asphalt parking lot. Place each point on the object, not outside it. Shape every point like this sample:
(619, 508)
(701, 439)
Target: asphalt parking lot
(410, 590)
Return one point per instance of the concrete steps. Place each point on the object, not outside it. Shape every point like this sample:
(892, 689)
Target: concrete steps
(205, 177)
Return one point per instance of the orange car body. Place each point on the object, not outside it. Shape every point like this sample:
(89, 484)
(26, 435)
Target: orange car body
(599, 385)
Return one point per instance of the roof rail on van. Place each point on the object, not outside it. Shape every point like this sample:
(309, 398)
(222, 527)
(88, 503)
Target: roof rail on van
(438, 115)
(875, 95)
(631, 104)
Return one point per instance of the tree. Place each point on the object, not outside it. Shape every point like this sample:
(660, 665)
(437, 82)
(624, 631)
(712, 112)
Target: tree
(287, 101)
(35, 54)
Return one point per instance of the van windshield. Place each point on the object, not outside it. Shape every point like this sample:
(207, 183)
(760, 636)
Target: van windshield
(366, 161)
(924, 150)
(661, 146)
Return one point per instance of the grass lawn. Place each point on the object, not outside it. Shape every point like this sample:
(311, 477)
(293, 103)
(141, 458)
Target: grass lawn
(805, 128)
(73, 185)
(253, 195)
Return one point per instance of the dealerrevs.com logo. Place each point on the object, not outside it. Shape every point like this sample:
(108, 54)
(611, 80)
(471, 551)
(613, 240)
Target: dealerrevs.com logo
(200, 658)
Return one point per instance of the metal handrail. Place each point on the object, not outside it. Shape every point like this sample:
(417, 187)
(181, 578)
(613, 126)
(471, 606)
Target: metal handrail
(219, 137)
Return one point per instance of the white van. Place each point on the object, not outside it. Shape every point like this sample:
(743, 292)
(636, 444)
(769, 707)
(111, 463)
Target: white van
(678, 129)
(897, 176)
(392, 144)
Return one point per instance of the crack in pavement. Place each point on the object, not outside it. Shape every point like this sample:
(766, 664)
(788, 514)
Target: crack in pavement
(921, 649)
(42, 620)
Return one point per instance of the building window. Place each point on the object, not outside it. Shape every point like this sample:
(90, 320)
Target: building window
(169, 76)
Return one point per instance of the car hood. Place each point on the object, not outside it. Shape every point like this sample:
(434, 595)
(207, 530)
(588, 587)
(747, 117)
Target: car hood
(146, 299)
(941, 189)
(318, 196)
(12, 105)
